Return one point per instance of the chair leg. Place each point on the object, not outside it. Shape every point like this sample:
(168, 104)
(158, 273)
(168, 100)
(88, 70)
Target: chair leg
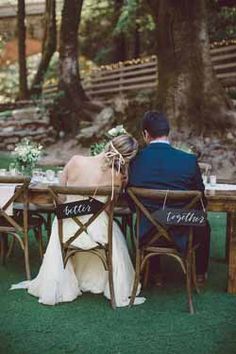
(111, 283)
(189, 283)
(39, 237)
(131, 226)
(3, 240)
(11, 247)
(49, 224)
(40, 241)
(124, 226)
(194, 277)
(146, 273)
(26, 256)
(136, 278)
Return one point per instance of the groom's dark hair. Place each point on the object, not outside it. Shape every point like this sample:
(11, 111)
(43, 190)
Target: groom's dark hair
(156, 124)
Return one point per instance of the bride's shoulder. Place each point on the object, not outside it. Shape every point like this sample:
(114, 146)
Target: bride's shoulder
(75, 159)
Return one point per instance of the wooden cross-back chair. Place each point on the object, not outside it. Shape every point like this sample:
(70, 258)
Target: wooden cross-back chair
(16, 225)
(146, 250)
(67, 247)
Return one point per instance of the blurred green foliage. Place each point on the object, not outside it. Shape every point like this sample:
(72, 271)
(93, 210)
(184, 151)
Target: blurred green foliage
(102, 23)
(221, 21)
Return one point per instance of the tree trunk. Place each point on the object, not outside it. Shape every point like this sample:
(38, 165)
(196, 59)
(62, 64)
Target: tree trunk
(119, 38)
(71, 105)
(23, 90)
(188, 89)
(70, 80)
(48, 47)
(137, 41)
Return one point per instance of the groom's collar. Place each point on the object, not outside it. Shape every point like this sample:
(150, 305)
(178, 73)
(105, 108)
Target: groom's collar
(159, 141)
(158, 145)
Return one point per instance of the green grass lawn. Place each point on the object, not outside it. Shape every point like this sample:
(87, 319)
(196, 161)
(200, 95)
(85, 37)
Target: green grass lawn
(89, 325)
(5, 159)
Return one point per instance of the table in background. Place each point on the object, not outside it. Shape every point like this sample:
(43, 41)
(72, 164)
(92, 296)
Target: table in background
(225, 201)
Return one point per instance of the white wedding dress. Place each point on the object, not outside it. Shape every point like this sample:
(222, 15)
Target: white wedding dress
(84, 271)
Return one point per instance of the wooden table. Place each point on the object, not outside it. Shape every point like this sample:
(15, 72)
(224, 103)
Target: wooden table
(225, 201)
(218, 201)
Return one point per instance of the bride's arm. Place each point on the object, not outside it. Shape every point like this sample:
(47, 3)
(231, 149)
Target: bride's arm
(63, 180)
(64, 176)
(67, 171)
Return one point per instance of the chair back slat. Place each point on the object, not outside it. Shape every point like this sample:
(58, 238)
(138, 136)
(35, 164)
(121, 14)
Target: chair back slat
(190, 199)
(67, 248)
(156, 194)
(20, 191)
(56, 191)
(148, 215)
(17, 224)
(85, 191)
(84, 227)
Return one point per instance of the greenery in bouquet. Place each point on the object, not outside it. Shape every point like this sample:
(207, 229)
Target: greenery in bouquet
(184, 147)
(97, 148)
(26, 154)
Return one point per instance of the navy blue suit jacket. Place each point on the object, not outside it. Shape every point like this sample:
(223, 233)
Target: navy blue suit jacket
(160, 166)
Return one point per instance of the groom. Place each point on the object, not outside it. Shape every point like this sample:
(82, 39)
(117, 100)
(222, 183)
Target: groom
(161, 166)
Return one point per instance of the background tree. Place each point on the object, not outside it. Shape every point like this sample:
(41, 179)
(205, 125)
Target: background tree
(21, 29)
(48, 46)
(221, 19)
(73, 105)
(136, 24)
(69, 75)
(114, 30)
(188, 89)
(119, 37)
(98, 42)
(68, 108)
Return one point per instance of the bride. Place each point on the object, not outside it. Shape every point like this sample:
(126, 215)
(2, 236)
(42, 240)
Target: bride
(85, 271)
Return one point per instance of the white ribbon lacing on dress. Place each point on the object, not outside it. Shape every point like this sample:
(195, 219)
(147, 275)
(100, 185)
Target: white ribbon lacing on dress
(114, 154)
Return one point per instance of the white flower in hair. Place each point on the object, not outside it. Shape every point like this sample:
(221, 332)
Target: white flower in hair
(118, 130)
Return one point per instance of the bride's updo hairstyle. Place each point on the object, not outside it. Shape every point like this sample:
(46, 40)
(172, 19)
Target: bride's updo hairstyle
(119, 151)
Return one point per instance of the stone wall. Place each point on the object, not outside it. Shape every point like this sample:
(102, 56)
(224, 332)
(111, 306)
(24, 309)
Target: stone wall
(28, 122)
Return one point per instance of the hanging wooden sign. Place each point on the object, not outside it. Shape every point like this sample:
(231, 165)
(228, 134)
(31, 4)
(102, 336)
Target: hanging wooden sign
(171, 216)
(78, 208)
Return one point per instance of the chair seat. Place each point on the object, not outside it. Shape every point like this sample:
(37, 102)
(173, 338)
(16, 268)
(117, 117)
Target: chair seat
(33, 222)
(74, 248)
(43, 211)
(163, 250)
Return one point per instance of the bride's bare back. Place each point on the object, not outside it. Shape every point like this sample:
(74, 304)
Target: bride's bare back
(88, 171)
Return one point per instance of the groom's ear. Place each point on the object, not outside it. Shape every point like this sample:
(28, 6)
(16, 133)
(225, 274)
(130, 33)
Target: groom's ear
(145, 136)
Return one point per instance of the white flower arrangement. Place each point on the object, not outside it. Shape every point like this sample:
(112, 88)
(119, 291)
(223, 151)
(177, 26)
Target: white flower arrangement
(27, 153)
(118, 130)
